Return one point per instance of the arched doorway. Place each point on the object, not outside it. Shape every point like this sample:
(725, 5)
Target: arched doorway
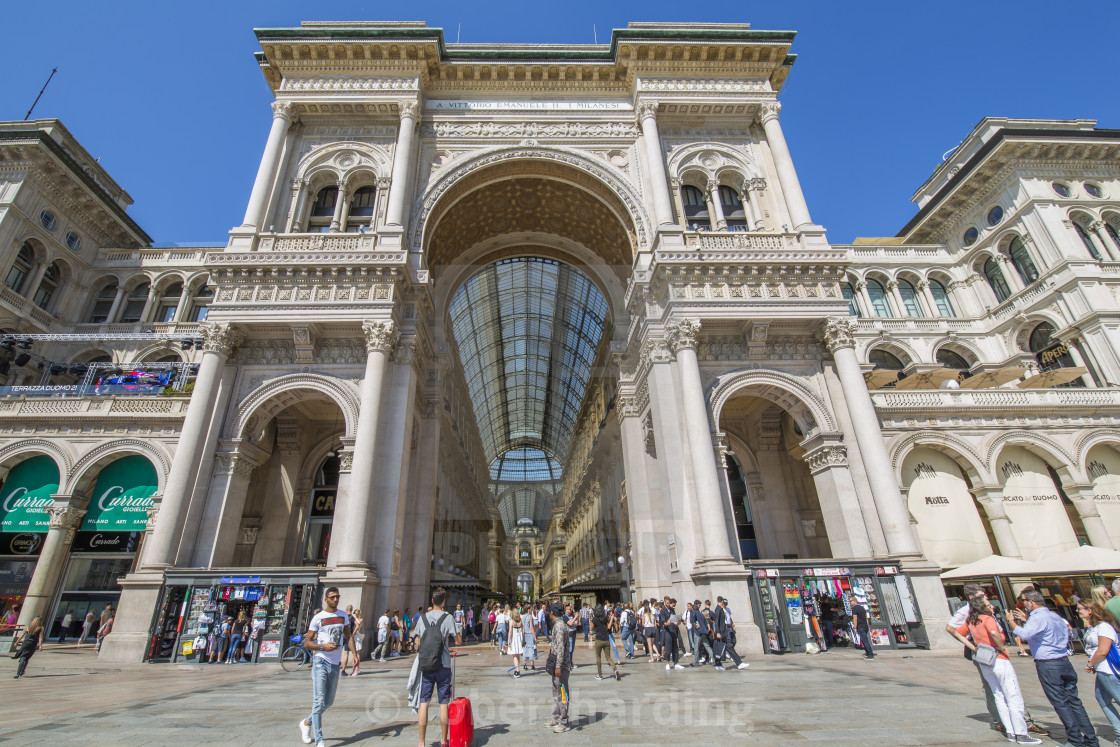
(25, 496)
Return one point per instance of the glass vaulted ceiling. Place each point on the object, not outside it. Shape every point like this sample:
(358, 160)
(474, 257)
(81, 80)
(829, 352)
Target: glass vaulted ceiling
(527, 329)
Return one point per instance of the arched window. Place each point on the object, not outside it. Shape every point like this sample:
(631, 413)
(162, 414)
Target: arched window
(1021, 258)
(882, 359)
(949, 359)
(322, 210)
(696, 215)
(850, 297)
(910, 298)
(48, 286)
(103, 304)
(995, 279)
(525, 585)
(1049, 351)
(361, 208)
(741, 510)
(733, 210)
(1113, 234)
(1088, 242)
(321, 512)
(200, 304)
(879, 303)
(21, 268)
(524, 554)
(169, 302)
(941, 298)
(134, 306)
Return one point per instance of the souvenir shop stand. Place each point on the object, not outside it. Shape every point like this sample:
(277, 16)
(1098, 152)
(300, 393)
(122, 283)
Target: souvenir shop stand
(787, 599)
(192, 604)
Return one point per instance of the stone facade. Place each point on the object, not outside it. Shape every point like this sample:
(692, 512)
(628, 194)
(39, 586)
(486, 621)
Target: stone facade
(397, 166)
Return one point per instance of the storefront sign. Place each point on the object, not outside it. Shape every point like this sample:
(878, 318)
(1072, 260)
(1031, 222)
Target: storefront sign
(26, 495)
(826, 572)
(106, 542)
(24, 543)
(269, 650)
(122, 496)
(766, 573)
(885, 570)
(322, 503)
(240, 580)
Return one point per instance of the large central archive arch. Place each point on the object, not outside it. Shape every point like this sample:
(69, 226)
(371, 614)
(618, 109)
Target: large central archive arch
(556, 324)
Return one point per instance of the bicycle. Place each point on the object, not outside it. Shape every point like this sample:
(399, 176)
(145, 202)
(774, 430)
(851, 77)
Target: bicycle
(295, 657)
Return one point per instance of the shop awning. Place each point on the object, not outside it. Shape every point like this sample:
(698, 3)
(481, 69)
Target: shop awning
(26, 495)
(121, 497)
(1084, 559)
(993, 565)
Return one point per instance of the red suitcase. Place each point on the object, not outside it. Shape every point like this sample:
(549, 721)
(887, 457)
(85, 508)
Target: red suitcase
(460, 732)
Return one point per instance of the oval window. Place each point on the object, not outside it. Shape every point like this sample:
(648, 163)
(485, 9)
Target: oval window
(970, 236)
(46, 218)
(995, 215)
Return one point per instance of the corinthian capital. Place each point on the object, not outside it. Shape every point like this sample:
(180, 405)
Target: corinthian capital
(768, 111)
(836, 333)
(220, 337)
(381, 337)
(684, 333)
(408, 108)
(64, 516)
(283, 110)
(647, 109)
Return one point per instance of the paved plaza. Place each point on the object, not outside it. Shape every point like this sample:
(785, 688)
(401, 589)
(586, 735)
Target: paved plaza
(901, 698)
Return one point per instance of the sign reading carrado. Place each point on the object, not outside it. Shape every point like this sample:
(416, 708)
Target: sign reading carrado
(121, 497)
(27, 494)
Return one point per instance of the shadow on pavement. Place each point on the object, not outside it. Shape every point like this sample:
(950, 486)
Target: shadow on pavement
(388, 730)
(482, 735)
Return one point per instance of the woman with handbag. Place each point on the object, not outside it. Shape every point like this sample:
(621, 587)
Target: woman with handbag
(989, 651)
(1104, 658)
(30, 641)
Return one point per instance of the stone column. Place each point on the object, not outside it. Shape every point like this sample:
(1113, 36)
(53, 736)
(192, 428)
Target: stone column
(678, 202)
(754, 204)
(346, 196)
(350, 541)
(184, 301)
(991, 498)
(339, 203)
(1110, 245)
(1079, 360)
(1097, 241)
(219, 341)
(932, 309)
(783, 162)
(893, 513)
(719, 220)
(709, 499)
(296, 200)
(868, 308)
(1084, 500)
(64, 522)
(1010, 274)
(655, 162)
(402, 164)
(112, 315)
(827, 458)
(647, 526)
(225, 504)
(896, 296)
(258, 200)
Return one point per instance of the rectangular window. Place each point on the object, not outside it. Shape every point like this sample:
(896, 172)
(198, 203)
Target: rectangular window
(15, 278)
(166, 313)
(132, 311)
(200, 313)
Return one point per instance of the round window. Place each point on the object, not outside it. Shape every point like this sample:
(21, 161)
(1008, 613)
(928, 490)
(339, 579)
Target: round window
(1062, 190)
(74, 241)
(970, 236)
(1093, 190)
(995, 215)
(47, 219)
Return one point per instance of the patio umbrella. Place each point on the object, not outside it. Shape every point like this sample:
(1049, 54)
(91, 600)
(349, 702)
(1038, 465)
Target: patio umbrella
(1054, 377)
(880, 377)
(993, 378)
(992, 565)
(1083, 559)
(928, 379)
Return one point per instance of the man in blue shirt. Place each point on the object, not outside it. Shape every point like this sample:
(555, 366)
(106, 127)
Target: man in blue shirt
(1048, 636)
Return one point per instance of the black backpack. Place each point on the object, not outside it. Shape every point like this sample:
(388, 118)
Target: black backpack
(432, 645)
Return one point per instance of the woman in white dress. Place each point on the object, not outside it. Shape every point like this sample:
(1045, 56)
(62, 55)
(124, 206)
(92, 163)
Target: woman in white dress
(516, 646)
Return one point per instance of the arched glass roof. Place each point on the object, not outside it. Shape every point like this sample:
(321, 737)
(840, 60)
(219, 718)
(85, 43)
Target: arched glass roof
(524, 465)
(527, 330)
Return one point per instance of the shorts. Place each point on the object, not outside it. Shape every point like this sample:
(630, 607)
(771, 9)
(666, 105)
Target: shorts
(441, 677)
(650, 632)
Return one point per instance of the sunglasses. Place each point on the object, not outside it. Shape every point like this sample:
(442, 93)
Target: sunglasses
(332, 596)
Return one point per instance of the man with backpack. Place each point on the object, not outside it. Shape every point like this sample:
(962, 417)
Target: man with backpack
(433, 659)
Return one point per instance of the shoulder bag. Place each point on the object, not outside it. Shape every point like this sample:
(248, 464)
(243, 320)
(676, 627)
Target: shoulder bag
(985, 654)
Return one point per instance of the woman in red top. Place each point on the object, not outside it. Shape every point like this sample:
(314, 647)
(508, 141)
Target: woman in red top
(1000, 676)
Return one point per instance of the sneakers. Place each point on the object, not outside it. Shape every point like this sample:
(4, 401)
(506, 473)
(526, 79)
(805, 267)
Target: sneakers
(1027, 739)
(687, 654)
(1033, 728)
(720, 668)
(321, 744)
(744, 665)
(677, 666)
(599, 677)
(561, 728)
(304, 731)
(550, 723)
(382, 660)
(668, 667)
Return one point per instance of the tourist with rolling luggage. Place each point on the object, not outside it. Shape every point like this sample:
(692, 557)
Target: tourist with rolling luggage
(431, 670)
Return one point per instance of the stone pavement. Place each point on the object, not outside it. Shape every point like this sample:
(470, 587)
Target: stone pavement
(901, 698)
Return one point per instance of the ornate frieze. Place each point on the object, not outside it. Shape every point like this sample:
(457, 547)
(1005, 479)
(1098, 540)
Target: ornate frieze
(343, 83)
(537, 130)
(705, 85)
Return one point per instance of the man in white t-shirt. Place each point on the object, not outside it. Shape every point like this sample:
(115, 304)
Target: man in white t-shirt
(327, 633)
(382, 637)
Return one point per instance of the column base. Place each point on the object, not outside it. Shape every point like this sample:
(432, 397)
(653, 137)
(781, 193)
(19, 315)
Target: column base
(732, 582)
(128, 643)
(242, 239)
(717, 565)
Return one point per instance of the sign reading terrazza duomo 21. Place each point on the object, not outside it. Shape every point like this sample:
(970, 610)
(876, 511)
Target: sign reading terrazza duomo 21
(558, 320)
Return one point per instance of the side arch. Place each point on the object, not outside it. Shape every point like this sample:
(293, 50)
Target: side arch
(90, 464)
(1085, 442)
(955, 448)
(277, 394)
(1049, 450)
(26, 448)
(805, 405)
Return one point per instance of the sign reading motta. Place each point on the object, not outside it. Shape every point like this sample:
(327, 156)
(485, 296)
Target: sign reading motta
(486, 106)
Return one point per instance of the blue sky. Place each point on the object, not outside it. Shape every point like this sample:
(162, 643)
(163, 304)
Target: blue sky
(169, 98)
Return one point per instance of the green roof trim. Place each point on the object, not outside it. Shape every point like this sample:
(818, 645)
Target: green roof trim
(75, 168)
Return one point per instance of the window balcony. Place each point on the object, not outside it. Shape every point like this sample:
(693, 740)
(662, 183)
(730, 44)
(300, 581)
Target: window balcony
(1032, 403)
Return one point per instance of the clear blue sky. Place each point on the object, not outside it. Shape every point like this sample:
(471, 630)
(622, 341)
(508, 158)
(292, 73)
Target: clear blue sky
(168, 96)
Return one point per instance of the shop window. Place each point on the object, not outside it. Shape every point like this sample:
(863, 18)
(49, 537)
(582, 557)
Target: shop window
(733, 210)
(103, 304)
(995, 279)
(134, 305)
(941, 298)
(850, 297)
(524, 554)
(696, 215)
(1021, 259)
(322, 210)
(879, 303)
(48, 287)
(21, 268)
(1088, 242)
(321, 512)
(956, 361)
(910, 298)
(741, 510)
